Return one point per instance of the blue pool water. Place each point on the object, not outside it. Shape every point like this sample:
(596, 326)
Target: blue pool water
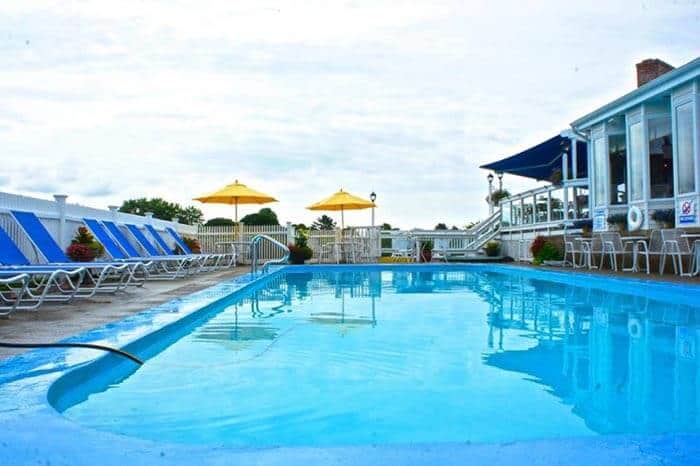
(376, 357)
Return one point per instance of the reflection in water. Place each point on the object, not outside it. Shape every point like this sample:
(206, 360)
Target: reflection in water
(625, 363)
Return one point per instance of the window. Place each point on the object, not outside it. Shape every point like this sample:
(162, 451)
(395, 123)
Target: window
(660, 157)
(557, 202)
(505, 214)
(599, 171)
(636, 162)
(686, 162)
(517, 213)
(541, 207)
(617, 158)
(580, 197)
(528, 216)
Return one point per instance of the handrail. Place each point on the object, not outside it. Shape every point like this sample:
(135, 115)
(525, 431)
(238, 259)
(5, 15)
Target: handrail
(254, 253)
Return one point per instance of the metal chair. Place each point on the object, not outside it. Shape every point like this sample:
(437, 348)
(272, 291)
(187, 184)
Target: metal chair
(613, 246)
(573, 246)
(677, 247)
(654, 247)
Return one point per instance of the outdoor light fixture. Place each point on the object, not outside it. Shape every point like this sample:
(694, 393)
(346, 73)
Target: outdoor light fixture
(490, 177)
(373, 196)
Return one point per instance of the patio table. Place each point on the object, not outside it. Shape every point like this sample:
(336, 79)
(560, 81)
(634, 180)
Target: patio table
(635, 248)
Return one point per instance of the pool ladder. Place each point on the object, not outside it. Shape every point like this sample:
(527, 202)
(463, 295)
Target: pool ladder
(254, 248)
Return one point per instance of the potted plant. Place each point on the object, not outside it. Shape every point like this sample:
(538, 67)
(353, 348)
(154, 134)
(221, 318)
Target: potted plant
(619, 221)
(586, 226)
(426, 251)
(666, 217)
(300, 252)
(84, 247)
(493, 248)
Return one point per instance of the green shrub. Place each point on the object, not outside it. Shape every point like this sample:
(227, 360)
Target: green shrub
(548, 252)
(493, 248)
(84, 238)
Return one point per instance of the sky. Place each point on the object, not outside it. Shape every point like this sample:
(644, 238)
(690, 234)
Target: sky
(106, 101)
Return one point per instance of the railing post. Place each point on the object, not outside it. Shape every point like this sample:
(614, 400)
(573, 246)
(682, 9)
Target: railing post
(149, 217)
(61, 205)
(115, 211)
(290, 233)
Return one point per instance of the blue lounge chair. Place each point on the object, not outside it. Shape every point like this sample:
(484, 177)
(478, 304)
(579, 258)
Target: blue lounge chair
(185, 265)
(229, 260)
(37, 283)
(205, 261)
(102, 276)
(160, 267)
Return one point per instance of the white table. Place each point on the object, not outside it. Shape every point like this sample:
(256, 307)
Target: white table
(635, 249)
(695, 237)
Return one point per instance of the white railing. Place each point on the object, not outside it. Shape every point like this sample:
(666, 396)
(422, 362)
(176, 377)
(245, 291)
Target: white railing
(62, 220)
(219, 239)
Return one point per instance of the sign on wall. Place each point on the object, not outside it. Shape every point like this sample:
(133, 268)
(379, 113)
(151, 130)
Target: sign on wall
(600, 220)
(688, 212)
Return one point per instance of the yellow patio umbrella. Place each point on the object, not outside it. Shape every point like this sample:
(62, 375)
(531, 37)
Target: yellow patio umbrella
(235, 194)
(342, 201)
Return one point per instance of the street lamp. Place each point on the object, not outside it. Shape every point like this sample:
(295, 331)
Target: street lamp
(373, 197)
(490, 178)
(500, 181)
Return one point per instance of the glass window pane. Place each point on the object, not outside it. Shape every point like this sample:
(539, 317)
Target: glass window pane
(505, 214)
(516, 217)
(599, 171)
(541, 207)
(581, 202)
(557, 204)
(686, 162)
(528, 213)
(660, 157)
(636, 162)
(617, 158)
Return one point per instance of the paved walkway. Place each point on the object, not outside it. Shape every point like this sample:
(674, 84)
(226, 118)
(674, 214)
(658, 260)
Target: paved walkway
(52, 323)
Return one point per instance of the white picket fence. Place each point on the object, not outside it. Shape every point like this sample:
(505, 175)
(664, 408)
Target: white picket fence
(62, 220)
(214, 239)
(219, 239)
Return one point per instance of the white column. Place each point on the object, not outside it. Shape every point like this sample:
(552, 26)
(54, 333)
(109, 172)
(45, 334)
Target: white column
(61, 207)
(115, 211)
(564, 167)
(566, 203)
(490, 197)
(149, 217)
(574, 158)
(290, 233)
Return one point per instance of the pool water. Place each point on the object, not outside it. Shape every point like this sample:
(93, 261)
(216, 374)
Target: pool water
(374, 357)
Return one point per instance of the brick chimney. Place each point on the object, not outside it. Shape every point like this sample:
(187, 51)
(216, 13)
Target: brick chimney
(650, 69)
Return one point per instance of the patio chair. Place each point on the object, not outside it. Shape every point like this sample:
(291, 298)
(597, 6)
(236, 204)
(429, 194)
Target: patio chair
(441, 249)
(573, 247)
(102, 277)
(590, 249)
(612, 246)
(645, 250)
(228, 259)
(202, 260)
(402, 246)
(678, 248)
(170, 266)
(43, 282)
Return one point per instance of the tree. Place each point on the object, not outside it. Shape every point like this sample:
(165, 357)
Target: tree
(441, 226)
(386, 226)
(324, 222)
(219, 222)
(163, 210)
(497, 195)
(264, 216)
(300, 226)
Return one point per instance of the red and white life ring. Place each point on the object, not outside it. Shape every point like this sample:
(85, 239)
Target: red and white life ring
(635, 218)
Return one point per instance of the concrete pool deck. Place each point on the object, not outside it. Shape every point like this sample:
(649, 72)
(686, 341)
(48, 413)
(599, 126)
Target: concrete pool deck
(54, 322)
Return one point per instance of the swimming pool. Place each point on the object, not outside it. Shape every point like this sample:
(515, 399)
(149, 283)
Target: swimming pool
(404, 359)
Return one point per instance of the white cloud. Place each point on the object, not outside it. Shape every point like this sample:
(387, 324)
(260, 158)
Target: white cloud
(106, 101)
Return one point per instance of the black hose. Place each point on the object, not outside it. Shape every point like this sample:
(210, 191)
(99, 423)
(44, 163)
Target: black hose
(73, 345)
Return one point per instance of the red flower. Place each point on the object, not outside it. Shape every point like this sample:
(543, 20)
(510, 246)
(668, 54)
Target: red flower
(80, 253)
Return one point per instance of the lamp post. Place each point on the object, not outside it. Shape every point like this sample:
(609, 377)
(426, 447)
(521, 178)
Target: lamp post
(490, 178)
(373, 197)
(500, 181)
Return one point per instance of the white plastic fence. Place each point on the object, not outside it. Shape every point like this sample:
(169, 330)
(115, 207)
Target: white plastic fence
(62, 220)
(218, 238)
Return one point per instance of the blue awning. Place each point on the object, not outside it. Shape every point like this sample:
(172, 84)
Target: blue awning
(540, 161)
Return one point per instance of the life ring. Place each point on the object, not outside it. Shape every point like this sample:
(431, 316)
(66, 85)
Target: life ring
(634, 218)
(634, 328)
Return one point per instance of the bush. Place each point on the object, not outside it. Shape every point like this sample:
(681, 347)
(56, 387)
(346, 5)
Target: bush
(537, 245)
(84, 238)
(548, 252)
(493, 248)
(665, 216)
(618, 219)
(299, 252)
(80, 253)
(192, 243)
(219, 222)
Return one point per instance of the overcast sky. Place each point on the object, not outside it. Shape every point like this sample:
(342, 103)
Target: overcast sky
(105, 102)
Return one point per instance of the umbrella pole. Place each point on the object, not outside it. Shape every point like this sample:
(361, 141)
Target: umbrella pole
(342, 219)
(238, 226)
